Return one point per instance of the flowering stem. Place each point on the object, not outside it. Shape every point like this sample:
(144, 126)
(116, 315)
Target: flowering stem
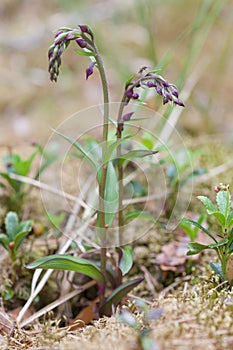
(104, 169)
(120, 185)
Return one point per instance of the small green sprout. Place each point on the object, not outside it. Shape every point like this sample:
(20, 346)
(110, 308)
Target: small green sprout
(137, 316)
(223, 239)
(15, 233)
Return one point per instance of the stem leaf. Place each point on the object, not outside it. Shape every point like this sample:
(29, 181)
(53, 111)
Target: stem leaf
(116, 296)
(126, 261)
(135, 154)
(80, 148)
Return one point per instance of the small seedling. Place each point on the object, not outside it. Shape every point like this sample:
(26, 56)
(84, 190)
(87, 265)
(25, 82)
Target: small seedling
(15, 233)
(16, 165)
(223, 239)
(108, 168)
(137, 316)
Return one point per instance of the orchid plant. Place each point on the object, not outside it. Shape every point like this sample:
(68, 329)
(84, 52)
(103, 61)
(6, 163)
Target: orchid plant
(109, 172)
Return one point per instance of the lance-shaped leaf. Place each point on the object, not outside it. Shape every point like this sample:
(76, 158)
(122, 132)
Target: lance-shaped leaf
(203, 229)
(135, 154)
(4, 240)
(219, 244)
(70, 263)
(142, 215)
(116, 296)
(80, 148)
(20, 237)
(195, 248)
(111, 195)
(112, 146)
(126, 260)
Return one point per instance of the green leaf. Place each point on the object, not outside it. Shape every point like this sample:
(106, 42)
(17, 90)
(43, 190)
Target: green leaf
(126, 261)
(11, 223)
(113, 145)
(220, 217)
(70, 263)
(135, 154)
(217, 268)
(219, 244)
(201, 228)
(111, 195)
(80, 148)
(195, 248)
(116, 296)
(192, 231)
(4, 240)
(20, 237)
(13, 183)
(141, 215)
(223, 199)
(230, 220)
(22, 167)
(208, 204)
(85, 53)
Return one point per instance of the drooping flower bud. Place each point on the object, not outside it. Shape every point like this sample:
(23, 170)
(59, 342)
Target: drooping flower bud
(81, 42)
(127, 116)
(90, 70)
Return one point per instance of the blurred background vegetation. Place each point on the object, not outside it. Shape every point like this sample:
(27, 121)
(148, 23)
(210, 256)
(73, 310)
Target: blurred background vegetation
(189, 40)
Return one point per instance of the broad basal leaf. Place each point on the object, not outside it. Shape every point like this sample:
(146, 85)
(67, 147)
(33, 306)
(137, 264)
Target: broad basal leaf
(116, 296)
(70, 263)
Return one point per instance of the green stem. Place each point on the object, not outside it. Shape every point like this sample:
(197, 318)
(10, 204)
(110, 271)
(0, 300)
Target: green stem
(120, 186)
(104, 169)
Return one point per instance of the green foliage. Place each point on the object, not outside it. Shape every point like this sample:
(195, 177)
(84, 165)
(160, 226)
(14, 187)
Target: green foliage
(128, 317)
(224, 239)
(15, 233)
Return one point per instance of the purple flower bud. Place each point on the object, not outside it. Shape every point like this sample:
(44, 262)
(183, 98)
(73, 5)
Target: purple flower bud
(59, 32)
(129, 92)
(69, 36)
(173, 89)
(165, 100)
(81, 42)
(135, 96)
(167, 94)
(83, 28)
(178, 102)
(90, 69)
(127, 116)
(159, 89)
(165, 83)
(150, 84)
